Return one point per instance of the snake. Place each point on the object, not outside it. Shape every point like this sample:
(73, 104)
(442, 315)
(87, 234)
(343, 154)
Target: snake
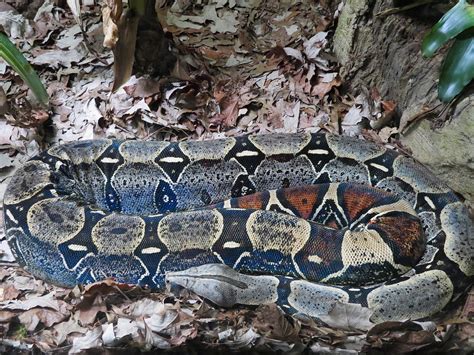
(303, 220)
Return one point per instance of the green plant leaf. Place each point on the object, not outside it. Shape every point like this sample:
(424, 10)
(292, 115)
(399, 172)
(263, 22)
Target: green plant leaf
(455, 21)
(17, 61)
(458, 67)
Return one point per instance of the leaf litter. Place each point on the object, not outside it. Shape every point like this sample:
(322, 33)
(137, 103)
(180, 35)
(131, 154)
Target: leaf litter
(235, 67)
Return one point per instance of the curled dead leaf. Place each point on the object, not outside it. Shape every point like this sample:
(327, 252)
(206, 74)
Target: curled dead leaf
(272, 322)
(46, 301)
(89, 308)
(348, 316)
(400, 337)
(8, 292)
(92, 339)
(106, 286)
(110, 29)
(3, 102)
(62, 330)
(468, 309)
(31, 318)
(6, 316)
(93, 298)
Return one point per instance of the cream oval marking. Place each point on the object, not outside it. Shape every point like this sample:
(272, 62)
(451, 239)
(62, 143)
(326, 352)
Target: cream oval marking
(11, 216)
(151, 250)
(171, 160)
(77, 247)
(379, 167)
(231, 245)
(318, 151)
(247, 153)
(315, 259)
(430, 202)
(108, 160)
(102, 213)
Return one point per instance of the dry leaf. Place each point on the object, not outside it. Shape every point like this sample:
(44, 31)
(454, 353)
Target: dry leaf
(124, 49)
(47, 317)
(400, 337)
(272, 322)
(88, 309)
(92, 339)
(8, 292)
(126, 327)
(158, 322)
(110, 28)
(75, 7)
(468, 308)
(6, 316)
(348, 316)
(46, 301)
(229, 107)
(145, 307)
(62, 330)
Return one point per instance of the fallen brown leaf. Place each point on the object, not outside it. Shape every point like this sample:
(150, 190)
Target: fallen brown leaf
(92, 339)
(62, 330)
(6, 316)
(229, 111)
(400, 337)
(47, 317)
(323, 88)
(272, 322)
(88, 309)
(8, 292)
(46, 301)
(468, 309)
(348, 316)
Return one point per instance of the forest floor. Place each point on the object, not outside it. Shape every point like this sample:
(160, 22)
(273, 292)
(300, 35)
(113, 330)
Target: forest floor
(235, 67)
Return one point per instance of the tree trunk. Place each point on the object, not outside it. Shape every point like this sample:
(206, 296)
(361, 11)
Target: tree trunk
(383, 53)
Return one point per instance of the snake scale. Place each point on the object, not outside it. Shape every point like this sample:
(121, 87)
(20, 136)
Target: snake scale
(305, 220)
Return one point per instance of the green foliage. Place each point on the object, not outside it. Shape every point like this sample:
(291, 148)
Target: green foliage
(458, 67)
(17, 61)
(20, 332)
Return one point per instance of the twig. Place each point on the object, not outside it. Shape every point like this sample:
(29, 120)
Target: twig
(396, 10)
(420, 116)
(16, 344)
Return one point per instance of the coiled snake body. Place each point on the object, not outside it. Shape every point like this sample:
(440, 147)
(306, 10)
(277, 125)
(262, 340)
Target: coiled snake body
(396, 239)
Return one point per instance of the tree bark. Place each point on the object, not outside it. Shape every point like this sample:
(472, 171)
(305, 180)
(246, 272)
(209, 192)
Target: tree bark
(383, 53)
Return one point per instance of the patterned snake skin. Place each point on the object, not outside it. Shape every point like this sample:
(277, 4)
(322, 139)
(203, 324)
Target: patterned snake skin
(309, 220)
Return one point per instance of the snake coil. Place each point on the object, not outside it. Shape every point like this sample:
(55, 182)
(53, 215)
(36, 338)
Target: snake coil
(320, 218)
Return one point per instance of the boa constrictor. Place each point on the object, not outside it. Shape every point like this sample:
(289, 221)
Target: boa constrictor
(396, 239)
